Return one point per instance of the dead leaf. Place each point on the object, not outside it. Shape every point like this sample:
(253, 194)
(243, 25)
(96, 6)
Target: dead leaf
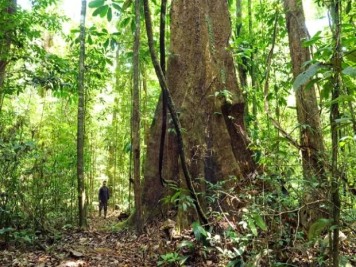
(76, 254)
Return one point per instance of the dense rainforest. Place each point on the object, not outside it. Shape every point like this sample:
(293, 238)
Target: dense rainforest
(225, 131)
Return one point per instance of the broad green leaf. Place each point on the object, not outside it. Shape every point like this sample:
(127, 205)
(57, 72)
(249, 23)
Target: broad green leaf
(184, 206)
(312, 40)
(260, 222)
(90, 40)
(239, 251)
(348, 7)
(350, 71)
(306, 76)
(252, 226)
(198, 230)
(326, 90)
(101, 11)
(117, 7)
(343, 98)
(109, 14)
(128, 146)
(96, 3)
(127, 4)
(106, 44)
(351, 56)
(317, 227)
(311, 83)
(343, 121)
(125, 22)
(183, 259)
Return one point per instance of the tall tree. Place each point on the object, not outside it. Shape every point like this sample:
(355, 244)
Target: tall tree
(81, 121)
(335, 10)
(136, 121)
(202, 82)
(311, 138)
(8, 8)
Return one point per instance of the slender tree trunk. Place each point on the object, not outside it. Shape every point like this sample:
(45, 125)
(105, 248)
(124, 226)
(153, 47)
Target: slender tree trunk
(81, 118)
(252, 67)
(145, 103)
(202, 82)
(136, 122)
(335, 10)
(162, 48)
(112, 154)
(115, 179)
(242, 67)
(5, 43)
(311, 139)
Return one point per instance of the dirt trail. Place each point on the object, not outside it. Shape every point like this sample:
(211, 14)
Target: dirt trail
(100, 245)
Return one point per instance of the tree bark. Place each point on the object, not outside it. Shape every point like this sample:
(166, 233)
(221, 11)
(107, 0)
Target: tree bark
(112, 150)
(5, 43)
(335, 10)
(81, 118)
(202, 81)
(136, 122)
(311, 138)
(162, 48)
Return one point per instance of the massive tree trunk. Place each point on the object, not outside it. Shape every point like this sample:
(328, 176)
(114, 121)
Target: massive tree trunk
(202, 80)
(311, 139)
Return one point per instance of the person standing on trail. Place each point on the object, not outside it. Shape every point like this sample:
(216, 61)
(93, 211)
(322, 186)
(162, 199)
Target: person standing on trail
(104, 196)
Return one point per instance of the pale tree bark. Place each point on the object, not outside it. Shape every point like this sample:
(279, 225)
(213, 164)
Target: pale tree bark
(202, 82)
(81, 121)
(5, 42)
(136, 122)
(311, 138)
(112, 151)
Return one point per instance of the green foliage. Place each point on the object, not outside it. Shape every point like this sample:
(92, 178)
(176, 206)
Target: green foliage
(37, 128)
(225, 95)
(180, 197)
(199, 232)
(318, 227)
(172, 259)
(350, 71)
(96, 3)
(305, 77)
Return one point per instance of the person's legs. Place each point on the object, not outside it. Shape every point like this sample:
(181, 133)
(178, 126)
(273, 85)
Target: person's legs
(100, 208)
(105, 209)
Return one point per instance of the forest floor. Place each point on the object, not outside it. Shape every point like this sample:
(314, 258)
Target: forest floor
(100, 245)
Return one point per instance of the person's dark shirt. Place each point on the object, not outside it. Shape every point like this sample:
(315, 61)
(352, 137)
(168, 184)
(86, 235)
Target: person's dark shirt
(104, 194)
